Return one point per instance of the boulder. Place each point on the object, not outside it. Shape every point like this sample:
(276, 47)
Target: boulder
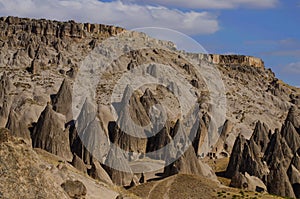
(75, 189)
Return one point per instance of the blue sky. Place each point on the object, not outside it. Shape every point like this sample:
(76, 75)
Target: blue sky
(268, 29)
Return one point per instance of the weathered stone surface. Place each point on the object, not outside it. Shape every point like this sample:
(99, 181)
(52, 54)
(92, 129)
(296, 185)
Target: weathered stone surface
(88, 138)
(236, 157)
(62, 101)
(246, 157)
(276, 162)
(75, 189)
(247, 182)
(5, 99)
(186, 164)
(291, 136)
(79, 164)
(278, 151)
(278, 182)
(127, 131)
(200, 137)
(220, 146)
(116, 165)
(50, 134)
(293, 173)
(238, 60)
(293, 117)
(18, 126)
(155, 145)
(54, 28)
(21, 170)
(98, 173)
(50, 48)
(261, 136)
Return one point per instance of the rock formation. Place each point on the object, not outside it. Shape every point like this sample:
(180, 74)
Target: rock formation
(50, 134)
(79, 164)
(247, 182)
(17, 126)
(261, 136)
(41, 60)
(5, 101)
(62, 101)
(278, 182)
(117, 167)
(98, 173)
(186, 164)
(75, 189)
(274, 160)
(22, 173)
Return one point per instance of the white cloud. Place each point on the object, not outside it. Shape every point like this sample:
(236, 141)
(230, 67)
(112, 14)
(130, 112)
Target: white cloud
(115, 13)
(293, 68)
(212, 4)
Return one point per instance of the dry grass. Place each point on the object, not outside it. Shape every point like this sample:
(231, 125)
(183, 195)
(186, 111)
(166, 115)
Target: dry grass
(194, 187)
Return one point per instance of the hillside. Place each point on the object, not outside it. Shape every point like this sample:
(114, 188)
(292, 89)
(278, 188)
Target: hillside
(118, 108)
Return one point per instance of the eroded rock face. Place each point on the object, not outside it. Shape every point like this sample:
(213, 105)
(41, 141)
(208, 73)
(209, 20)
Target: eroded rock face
(38, 54)
(293, 117)
(278, 151)
(88, 138)
(20, 165)
(291, 136)
(186, 164)
(246, 157)
(97, 172)
(5, 99)
(248, 182)
(79, 164)
(236, 157)
(261, 136)
(237, 60)
(294, 173)
(17, 126)
(62, 101)
(50, 134)
(75, 189)
(278, 182)
(58, 29)
(274, 160)
(116, 165)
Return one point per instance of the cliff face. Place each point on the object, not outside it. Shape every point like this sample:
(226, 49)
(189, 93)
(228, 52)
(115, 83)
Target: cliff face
(15, 25)
(240, 60)
(41, 60)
